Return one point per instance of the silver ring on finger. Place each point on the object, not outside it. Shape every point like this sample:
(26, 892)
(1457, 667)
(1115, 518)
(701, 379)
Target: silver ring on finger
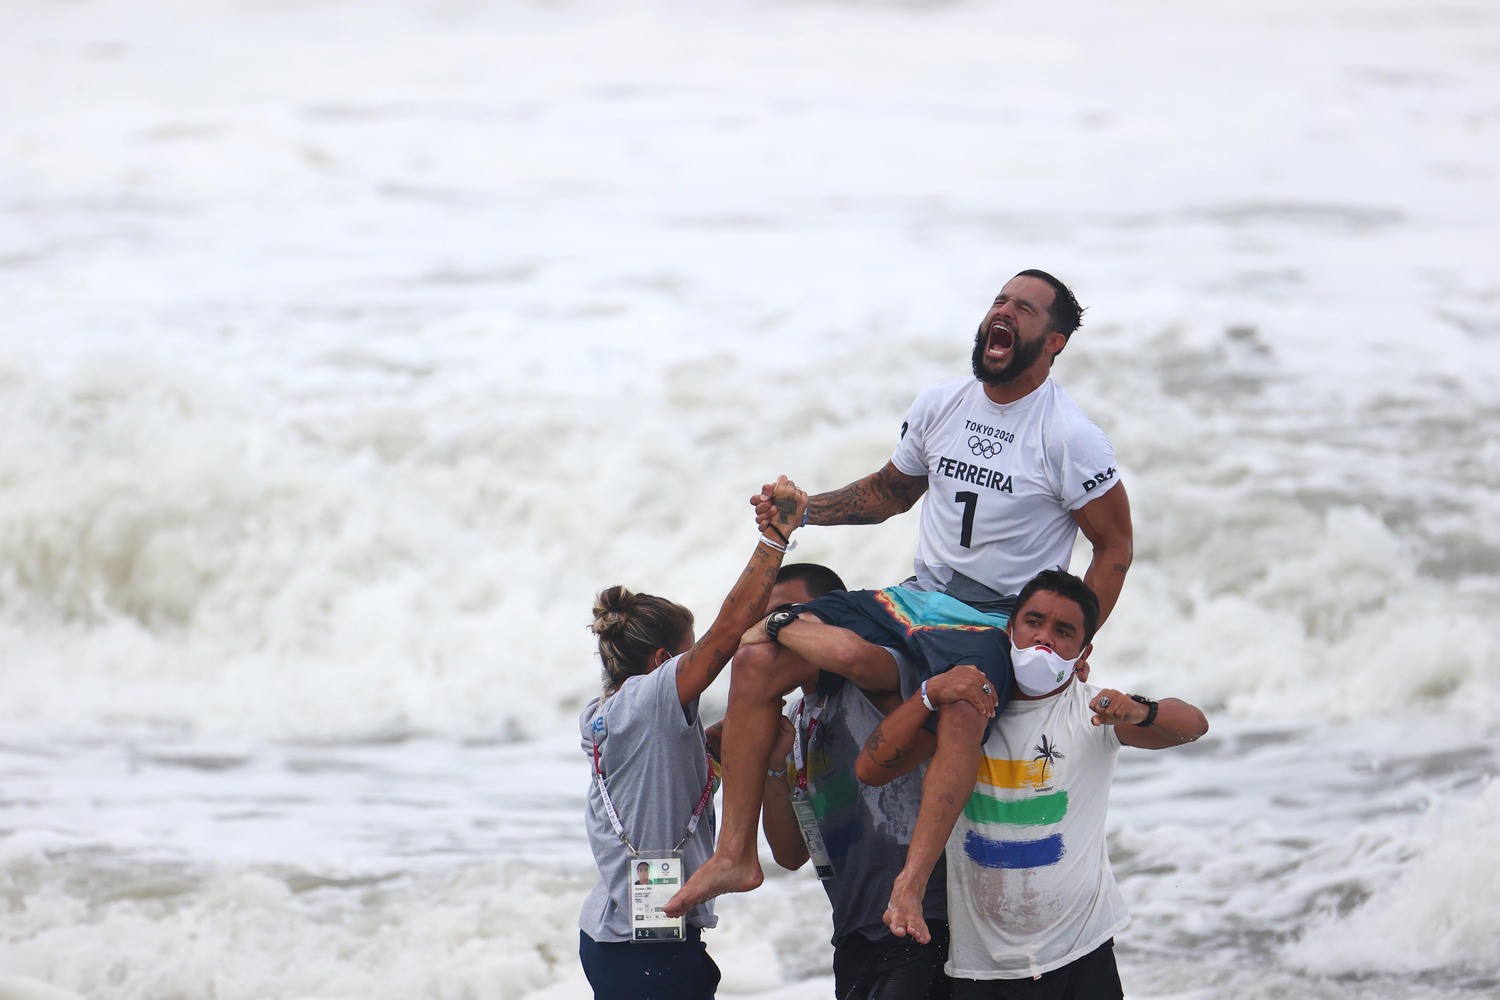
(1104, 701)
(986, 689)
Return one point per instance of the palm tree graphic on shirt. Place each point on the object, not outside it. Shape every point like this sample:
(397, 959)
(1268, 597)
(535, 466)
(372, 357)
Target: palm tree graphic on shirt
(1047, 753)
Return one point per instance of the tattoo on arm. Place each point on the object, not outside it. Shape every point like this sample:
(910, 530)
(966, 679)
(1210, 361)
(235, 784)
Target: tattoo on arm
(785, 507)
(871, 500)
(882, 753)
(740, 601)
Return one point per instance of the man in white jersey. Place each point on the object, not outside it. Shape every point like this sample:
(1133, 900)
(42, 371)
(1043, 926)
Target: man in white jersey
(1013, 470)
(1032, 904)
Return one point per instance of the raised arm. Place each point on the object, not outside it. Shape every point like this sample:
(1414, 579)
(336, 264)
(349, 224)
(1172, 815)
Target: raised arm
(870, 500)
(1105, 522)
(747, 598)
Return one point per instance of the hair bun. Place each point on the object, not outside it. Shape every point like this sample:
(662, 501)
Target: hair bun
(612, 610)
(631, 628)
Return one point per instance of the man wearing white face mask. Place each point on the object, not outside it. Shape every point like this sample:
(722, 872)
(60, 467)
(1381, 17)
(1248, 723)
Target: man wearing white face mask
(1032, 904)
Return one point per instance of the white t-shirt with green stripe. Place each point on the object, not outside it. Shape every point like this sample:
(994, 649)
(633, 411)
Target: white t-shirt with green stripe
(1029, 883)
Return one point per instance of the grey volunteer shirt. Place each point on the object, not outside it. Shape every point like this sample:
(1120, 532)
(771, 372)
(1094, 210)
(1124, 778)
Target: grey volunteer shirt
(655, 766)
(866, 829)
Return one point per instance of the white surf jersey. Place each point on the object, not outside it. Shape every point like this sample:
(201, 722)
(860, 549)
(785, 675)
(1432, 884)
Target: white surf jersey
(1002, 481)
(1029, 884)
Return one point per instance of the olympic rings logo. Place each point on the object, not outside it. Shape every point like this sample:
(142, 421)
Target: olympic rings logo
(984, 446)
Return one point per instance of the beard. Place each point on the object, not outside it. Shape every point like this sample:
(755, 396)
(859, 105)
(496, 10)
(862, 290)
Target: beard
(1023, 355)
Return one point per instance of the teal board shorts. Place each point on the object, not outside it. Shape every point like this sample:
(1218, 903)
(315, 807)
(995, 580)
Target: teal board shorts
(937, 632)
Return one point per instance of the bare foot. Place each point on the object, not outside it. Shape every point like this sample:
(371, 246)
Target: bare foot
(717, 876)
(903, 915)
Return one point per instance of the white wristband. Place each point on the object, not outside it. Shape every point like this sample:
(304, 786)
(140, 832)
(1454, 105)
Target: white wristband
(774, 545)
(925, 700)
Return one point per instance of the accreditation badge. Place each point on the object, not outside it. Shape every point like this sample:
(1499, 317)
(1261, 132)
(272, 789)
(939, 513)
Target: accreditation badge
(807, 820)
(655, 879)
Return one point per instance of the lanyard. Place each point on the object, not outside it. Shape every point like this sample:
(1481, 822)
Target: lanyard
(614, 816)
(798, 758)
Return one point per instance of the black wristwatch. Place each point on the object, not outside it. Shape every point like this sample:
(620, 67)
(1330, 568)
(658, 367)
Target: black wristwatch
(780, 619)
(1151, 708)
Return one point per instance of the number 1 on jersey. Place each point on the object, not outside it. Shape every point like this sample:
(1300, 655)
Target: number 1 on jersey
(970, 501)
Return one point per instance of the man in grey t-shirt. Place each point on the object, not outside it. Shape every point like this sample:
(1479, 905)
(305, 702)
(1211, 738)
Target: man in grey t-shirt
(865, 829)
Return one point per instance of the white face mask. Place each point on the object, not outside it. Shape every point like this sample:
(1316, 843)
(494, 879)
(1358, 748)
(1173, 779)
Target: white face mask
(1040, 671)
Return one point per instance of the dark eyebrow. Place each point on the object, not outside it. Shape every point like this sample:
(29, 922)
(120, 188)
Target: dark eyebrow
(1026, 304)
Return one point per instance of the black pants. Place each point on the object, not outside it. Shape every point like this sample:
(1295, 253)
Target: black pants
(1092, 977)
(626, 971)
(891, 968)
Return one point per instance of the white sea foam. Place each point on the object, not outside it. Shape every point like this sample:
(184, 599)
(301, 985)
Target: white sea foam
(1435, 907)
(349, 349)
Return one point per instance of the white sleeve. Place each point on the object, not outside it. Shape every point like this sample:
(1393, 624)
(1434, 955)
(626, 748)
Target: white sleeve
(910, 456)
(1085, 465)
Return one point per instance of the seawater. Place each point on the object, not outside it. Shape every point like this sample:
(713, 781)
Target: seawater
(348, 349)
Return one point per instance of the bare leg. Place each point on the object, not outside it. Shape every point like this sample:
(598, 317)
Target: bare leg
(945, 789)
(761, 676)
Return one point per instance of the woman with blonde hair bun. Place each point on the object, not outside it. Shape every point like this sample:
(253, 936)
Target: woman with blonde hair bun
(651, 798)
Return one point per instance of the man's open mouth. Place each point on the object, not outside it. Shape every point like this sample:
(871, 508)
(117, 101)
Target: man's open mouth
(1001, 340)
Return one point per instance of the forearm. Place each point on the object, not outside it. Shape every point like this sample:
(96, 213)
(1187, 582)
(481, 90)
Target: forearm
(780, 825)
(870, 500)
(746, 601)
(742, 608)
(840, 651)
(745, 604)
(898, 744)
(1176, 723)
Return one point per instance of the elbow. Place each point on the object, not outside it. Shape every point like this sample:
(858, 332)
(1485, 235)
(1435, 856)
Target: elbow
(872, 774)
(1193, 728)
(1197, 722)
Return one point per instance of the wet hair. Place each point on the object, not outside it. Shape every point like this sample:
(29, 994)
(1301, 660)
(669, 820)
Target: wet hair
(1066, 315)
(817, 578)
(1065, 585)
(631, 627)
